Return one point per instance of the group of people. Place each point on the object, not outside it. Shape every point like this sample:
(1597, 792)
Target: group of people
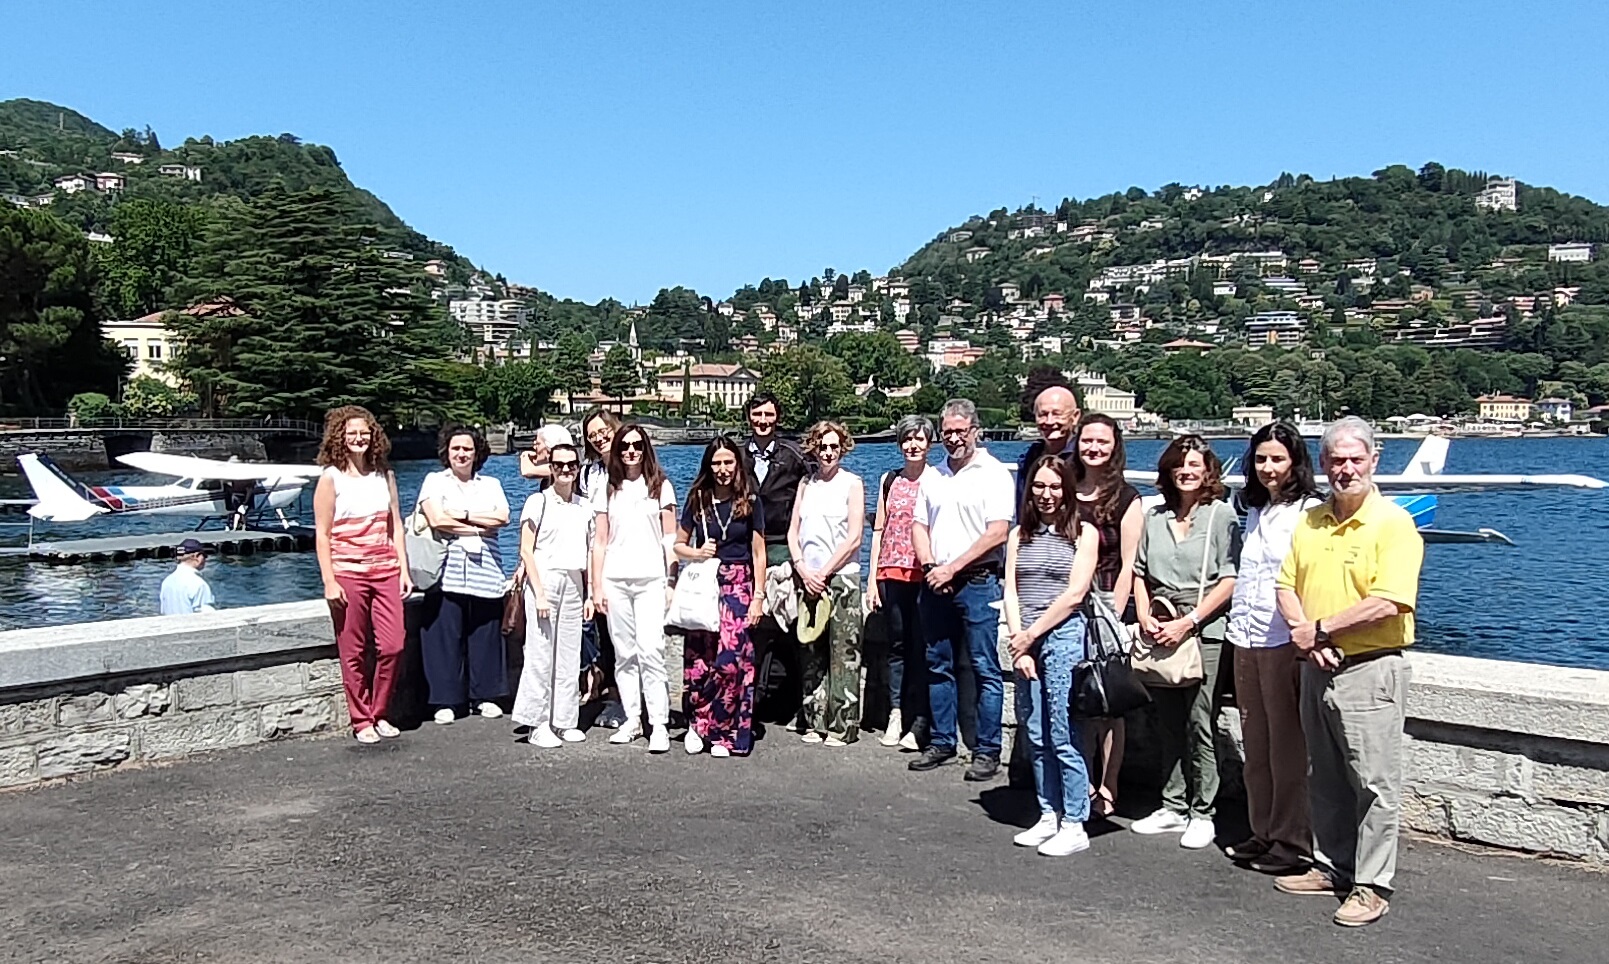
(1302, 611)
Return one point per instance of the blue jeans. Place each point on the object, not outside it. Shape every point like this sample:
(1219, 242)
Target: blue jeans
(964, 618)
(1060, 776)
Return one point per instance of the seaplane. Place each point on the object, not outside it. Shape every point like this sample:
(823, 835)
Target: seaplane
(238, 492)
(1416, 487)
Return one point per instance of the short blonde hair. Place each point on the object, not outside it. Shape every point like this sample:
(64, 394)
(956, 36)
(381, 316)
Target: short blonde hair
(818, 431)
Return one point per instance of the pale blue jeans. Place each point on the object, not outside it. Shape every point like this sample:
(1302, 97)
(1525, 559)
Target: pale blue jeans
(1045, 717)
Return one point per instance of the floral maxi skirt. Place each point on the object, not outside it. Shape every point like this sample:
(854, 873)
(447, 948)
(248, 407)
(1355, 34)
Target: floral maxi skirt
(718, 673)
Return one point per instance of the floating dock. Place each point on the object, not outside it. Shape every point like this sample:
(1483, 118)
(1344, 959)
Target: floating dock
(159, 545)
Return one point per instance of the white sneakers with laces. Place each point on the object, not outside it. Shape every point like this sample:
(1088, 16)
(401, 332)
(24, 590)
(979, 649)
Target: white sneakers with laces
(1039, 832)
(1069, 840)
(543, 736)
(1199, 833)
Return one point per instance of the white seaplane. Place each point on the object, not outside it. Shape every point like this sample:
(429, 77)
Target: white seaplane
(206, 488)
(1415, 488)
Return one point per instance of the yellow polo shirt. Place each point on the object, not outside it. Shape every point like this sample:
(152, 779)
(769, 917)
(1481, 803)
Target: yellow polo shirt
(1334, 564)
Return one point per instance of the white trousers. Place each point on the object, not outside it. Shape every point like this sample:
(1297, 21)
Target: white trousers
(637, 626)
(550, 688)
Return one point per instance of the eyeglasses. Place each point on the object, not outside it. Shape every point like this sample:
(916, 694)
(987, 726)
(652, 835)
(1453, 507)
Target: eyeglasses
(598, 434)
(565, 466)
(829, 447)
(635, 445)
(956, 432)
(359, 435)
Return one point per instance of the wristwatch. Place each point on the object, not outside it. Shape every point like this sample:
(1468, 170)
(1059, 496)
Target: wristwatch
(1321, 636)
(928, 567)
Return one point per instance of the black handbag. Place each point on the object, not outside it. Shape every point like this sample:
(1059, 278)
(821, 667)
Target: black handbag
(1104, 683)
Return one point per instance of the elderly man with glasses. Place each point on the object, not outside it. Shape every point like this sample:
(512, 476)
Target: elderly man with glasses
(962, 515)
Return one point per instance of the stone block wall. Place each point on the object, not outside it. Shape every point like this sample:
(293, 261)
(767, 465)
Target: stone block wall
(77, 699)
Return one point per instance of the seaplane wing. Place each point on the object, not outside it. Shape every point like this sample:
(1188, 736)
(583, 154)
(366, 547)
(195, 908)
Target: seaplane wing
(192, 467)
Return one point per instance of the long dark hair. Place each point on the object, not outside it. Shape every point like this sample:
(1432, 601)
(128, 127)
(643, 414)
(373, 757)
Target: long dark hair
(702, 495)
(651, 472)
(1299, 486)
(1109, 503)
(1065, 521)
(1212, 487)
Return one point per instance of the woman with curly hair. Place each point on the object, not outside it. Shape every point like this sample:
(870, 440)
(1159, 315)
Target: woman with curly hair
(462, 637)
(723, 520)
(364, 563)
(829, 516)
(1184, 577)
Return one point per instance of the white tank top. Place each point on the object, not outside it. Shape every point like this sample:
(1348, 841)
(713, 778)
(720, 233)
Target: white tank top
(824, 520)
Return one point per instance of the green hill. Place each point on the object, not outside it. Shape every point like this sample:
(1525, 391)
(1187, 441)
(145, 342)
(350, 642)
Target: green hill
(43, 141)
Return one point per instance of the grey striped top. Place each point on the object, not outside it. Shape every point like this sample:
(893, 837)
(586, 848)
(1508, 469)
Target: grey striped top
(1044, 567)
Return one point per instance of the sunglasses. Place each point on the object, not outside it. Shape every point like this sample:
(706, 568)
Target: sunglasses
(829, 446)
(565, 466)
(635, 445)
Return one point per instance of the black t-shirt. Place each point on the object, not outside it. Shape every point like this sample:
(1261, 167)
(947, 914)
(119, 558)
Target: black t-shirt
(734, 536)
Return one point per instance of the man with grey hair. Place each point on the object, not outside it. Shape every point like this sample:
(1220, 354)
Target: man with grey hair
(962, 515)
(1348, 588)
(1056, 415)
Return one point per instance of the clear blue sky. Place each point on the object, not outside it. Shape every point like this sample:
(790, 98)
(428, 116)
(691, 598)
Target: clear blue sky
(609, 149)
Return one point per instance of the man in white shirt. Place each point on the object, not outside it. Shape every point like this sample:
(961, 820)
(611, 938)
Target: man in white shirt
(184, 591)
(963, 512)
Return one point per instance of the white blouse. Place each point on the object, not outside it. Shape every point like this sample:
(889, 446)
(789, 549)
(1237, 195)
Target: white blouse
(635, 549)
(1255, 621)
(563, 530)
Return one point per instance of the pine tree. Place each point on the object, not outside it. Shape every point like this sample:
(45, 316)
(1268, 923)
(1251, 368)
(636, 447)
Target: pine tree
(618, 376)
(327, 319)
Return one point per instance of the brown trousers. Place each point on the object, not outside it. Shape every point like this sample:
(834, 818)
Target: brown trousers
(1268, 691)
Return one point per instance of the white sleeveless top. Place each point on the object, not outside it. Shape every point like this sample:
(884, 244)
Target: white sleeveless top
(824, 520)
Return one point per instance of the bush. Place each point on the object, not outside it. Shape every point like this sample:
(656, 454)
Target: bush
(86, 406)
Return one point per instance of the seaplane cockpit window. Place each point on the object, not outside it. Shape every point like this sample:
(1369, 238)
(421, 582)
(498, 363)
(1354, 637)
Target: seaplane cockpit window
(186, 483)
(212, 485)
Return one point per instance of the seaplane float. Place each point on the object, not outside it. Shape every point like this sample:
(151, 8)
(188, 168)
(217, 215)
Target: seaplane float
(1416, 487)
(240, 493)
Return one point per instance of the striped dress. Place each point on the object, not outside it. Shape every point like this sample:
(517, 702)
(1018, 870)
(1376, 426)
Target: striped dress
(360, 538)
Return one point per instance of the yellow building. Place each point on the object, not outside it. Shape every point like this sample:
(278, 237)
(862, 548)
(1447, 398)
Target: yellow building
(149, 342)
(731, 385)
(1505, 408)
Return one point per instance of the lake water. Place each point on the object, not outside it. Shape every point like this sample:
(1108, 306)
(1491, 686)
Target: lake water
(1525, 603)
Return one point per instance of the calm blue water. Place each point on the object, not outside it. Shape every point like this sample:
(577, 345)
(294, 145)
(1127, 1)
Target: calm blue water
(1525, 603)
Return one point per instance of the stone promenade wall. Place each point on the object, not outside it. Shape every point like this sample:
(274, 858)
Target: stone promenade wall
(1510, 755)
(75, 699)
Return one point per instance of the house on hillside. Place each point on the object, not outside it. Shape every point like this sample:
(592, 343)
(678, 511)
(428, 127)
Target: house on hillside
(1556, 409)
(1186, 344)
(110, 181)
(128, 157)
(190, 172)
(975, 254)
(1574, 251)
(73, 183)
(731, 385)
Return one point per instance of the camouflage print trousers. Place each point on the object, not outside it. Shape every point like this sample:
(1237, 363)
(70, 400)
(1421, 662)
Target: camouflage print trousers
(831, 665)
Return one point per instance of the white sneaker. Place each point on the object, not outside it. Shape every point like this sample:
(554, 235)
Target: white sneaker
(386, 730)
(719, 752)
(1163, 821)
(892, 734)
(908, 742)
(693, 742)
(1199, 834)
(573, 735)
(835, 741)
(624, 735)
(810, 737)
(489, 710)
(445, 715)
(659, 739)
(1039, 832)
(544, 736)
(1069, 840)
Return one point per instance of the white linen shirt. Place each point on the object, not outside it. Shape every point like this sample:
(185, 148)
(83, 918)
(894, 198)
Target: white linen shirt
(1255, 621)
(563, 530)
(957, 507)
(636, 535)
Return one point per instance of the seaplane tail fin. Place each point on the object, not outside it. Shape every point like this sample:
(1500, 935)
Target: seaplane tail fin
(1429, 459)
(58, 494)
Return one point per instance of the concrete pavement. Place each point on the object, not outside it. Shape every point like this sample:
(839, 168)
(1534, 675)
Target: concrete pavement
(457, 842)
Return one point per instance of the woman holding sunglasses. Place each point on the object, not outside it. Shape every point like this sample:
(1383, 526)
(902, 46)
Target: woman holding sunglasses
(632, 556)
(555, 529)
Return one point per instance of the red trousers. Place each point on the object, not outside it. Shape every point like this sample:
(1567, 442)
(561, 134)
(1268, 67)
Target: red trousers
(373, 606)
